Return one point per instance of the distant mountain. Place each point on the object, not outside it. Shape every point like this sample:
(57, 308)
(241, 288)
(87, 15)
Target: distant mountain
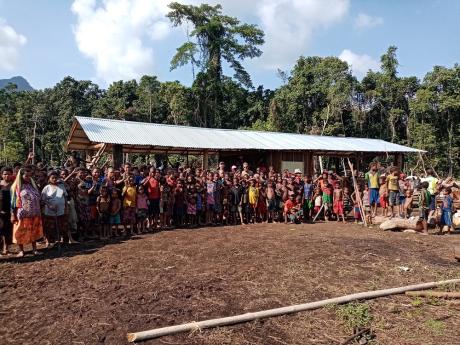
(21, 83)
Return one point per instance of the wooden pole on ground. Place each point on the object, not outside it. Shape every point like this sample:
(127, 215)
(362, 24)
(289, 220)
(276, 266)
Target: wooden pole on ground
(231, 320)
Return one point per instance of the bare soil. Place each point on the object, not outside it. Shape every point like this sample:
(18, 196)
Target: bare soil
(97, 292)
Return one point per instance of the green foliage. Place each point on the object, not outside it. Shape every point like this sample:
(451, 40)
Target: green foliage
(355, 315)
(434, 326)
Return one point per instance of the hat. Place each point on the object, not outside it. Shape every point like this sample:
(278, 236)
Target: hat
(297, 171)
(233, 167)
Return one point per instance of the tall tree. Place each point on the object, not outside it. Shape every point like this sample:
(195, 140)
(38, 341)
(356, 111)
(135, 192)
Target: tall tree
(215, 38)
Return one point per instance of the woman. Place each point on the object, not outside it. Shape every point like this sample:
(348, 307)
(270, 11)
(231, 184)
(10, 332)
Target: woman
(5, 214)
(26, 213)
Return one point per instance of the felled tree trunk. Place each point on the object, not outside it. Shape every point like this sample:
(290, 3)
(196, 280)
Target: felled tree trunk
(401, 224)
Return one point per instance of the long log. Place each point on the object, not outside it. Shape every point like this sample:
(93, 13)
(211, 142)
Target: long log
(231, 320)
(400, 224)
(440, 294)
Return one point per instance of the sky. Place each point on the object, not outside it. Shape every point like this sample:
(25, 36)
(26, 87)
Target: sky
(110, 40)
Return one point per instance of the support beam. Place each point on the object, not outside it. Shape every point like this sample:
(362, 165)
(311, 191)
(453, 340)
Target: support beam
(117, 152)
(205, 160)
(308, 163)
(398, 160)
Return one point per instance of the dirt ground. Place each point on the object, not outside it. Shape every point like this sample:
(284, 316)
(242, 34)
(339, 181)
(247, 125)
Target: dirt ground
(97, 292)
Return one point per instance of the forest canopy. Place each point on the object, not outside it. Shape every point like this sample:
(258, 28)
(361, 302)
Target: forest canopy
(318, 96)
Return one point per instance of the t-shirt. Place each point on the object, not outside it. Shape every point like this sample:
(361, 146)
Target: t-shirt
(432, 182)
(253, 195)
(307, 190)
(447, 203)
(393, 184)
(153, 188)
(372, 179)
(141, 202)
(289, 204)
(54, 195)
(130, 196)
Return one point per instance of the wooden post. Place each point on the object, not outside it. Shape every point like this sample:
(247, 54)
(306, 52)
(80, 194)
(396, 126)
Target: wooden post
(308, 163)
(117, 152)
(398, 160)
(205, 160)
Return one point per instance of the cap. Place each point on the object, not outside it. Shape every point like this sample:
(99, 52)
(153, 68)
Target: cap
(297, 171)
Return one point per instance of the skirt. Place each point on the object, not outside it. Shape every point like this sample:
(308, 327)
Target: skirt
(27, 230)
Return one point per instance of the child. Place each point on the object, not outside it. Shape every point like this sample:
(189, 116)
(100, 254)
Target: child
(318, 200)
(262, 205)
(245, 210)
(446, 211)
(271, 202)
(367, 204)
(129, 195)
(103, 208)
(338, 202)
(210, 201)
(191, 207)
(327, 200)
(165, 191)
(199, 203)
(383, 198)
(115, 208)
(179, 203)
(289, 209)
(424, 205)
(357, 201)
(142, 209)
(253, 197)
(83, 209)
(407, 207)
(392, 182)
(347, 202)
(307, 193)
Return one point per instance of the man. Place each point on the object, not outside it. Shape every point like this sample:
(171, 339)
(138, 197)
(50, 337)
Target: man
(246, 171)
(372, 178)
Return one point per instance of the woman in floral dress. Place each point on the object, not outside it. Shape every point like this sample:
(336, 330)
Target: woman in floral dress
(26, 212)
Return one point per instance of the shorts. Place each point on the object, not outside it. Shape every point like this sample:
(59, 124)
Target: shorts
(374, 196)
(271, 203)
(357, 213)
(115, 219)
(104, 218)
(383, 202)
(142, 214)
(154, 207)
(446, 218)
(401, 199)
(393, 199)
(338, 207)
(433, 203)
(424, 214)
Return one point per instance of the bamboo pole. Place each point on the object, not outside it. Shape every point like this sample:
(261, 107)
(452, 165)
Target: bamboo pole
(439, 294)
(231, 320)
(358, 197)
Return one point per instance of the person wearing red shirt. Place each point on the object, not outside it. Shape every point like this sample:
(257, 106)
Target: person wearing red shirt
(152, 183)
(289, 207)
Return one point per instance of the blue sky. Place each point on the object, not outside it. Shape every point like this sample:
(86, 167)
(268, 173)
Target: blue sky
(103, 41)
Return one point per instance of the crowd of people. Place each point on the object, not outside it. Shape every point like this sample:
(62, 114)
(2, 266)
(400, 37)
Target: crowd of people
(74, 203)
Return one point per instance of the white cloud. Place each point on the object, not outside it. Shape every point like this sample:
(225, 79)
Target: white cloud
(116, 33)
(10, 43)
(365, 21)
(360, 64)
(290, 25)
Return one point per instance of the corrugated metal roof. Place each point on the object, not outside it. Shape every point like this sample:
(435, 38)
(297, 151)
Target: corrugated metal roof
(160, 135)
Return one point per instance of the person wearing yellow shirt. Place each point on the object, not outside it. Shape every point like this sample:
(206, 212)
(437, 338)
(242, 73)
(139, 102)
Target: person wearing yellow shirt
(393, 189)
(129, 205)
(372, 177)
(253, 196)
